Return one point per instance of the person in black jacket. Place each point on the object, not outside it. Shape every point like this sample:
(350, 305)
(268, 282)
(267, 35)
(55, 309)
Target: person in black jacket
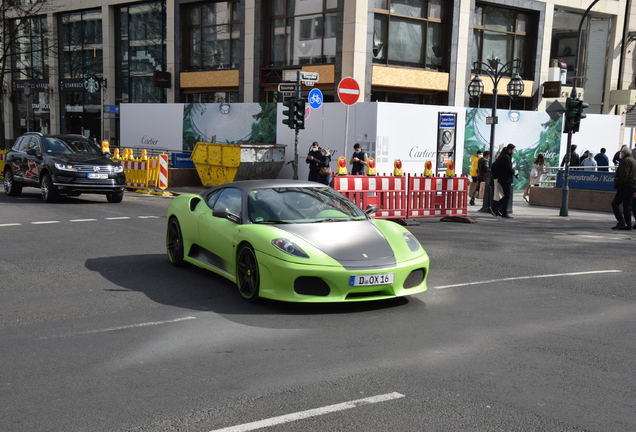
(313, 157)
(574, 157)
(505, 174)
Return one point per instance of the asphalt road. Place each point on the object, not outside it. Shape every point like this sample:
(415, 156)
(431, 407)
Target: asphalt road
(528, 325)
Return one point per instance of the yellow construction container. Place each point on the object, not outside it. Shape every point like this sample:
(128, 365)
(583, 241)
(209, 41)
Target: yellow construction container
(223, 163)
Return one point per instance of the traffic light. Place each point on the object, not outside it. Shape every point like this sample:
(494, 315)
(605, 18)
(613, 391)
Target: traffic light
(573, 114)
(290, 113)
(300, 114)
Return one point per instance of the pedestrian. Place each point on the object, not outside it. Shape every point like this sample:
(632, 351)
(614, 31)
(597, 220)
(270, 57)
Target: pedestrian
(602, 160)
(617, 158)
(313, 157)
(536, 174)
(323, 164)
(505, 173)
(358, 160)
(474, 162)
(589, 164)
(483, 167)
(625, 185)
(574, 157)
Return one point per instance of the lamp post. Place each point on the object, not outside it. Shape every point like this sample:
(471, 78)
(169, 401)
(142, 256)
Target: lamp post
(495, 70)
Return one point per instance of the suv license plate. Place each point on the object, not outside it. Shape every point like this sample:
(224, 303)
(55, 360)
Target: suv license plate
(369, 280)
(97, 176)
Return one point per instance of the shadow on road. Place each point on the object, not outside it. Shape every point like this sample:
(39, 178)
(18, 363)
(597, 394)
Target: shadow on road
(193, 288)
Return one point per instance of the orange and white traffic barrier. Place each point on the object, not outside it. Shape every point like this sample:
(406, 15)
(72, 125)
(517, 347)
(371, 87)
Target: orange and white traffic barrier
(163, 171)
(437, 196)
(388, 193)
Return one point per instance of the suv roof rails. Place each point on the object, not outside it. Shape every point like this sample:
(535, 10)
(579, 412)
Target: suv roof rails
(34, 133)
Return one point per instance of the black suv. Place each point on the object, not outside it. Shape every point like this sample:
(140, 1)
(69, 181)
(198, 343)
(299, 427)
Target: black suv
(62, 165)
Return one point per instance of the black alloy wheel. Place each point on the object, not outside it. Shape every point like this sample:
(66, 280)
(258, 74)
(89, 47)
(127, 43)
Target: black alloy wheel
(49, 193)
(247, 275)
(174, 243)
(10, 187)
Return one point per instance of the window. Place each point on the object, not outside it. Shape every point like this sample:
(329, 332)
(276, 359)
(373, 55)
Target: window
(503, 34)
(213, 36)
(409, 33)
(230, 198)
(30, 51)
(141, 50)
(302, 32)
(81, 40)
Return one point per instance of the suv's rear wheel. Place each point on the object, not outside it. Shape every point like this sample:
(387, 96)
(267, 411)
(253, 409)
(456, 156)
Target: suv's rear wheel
(115, 197)
(10, 186)
(49, 193)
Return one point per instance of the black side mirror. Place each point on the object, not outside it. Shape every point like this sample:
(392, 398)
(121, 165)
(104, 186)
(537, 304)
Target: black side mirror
(371, 208)
(226, 214)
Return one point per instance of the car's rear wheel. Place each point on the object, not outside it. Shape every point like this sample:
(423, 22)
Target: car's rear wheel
(247, 274)
(10, 186)
(174, 243)
(115, 197)
(49, 193)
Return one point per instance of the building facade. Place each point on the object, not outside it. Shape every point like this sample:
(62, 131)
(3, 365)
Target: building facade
(73, 64)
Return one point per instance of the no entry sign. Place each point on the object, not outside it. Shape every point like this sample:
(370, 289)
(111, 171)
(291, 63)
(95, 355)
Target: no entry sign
(348, 91)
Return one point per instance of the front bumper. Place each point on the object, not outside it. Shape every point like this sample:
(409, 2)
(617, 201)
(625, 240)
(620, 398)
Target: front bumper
(279, 280)
(70, 184)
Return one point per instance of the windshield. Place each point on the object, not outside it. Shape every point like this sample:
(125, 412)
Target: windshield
(70, 146)
(300, 205)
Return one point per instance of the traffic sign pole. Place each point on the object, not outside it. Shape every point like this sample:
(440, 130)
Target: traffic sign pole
(348, 93)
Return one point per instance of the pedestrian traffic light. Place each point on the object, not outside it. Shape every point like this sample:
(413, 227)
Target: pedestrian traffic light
(290, 113)
(299, 118)
(570, 121)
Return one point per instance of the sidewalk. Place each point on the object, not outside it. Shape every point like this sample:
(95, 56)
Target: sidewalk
(520, 209)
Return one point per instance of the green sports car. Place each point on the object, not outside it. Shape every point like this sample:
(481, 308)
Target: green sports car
(294, 241)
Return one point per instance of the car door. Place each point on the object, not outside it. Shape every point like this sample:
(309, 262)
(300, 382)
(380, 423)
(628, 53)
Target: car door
(32, 161)
(217, 233)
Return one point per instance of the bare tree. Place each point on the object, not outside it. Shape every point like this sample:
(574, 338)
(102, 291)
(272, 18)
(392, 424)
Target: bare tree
(25, 44)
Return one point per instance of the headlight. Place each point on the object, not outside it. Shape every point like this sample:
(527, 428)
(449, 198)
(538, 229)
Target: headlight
(289, 247)
(65, 167)
(118, 169)
(410, 240)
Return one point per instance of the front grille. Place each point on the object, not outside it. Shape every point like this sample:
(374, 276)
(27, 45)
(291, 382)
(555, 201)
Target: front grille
(314, 286)
(90, 168)
(415, 278)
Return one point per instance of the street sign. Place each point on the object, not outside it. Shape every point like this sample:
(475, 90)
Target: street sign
(309, 83)
(309, 76)
(287, 87)
(492, 120)
(315, 98)
(307, 112)
(111, 109)
(555, 110)
(348, 91)
(287, 94)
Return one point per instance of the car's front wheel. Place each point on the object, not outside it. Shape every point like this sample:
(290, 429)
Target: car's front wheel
(174, 243)
(10, 186)
(49, 193)
(115, 197)
(247, 274)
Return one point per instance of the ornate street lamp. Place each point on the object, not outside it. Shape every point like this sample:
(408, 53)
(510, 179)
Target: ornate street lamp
(495, 70)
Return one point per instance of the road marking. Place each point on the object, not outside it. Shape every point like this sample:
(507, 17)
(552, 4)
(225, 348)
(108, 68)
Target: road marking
(528, 277)
(10, 224)
(147, 324)
(310, 413)
(45, 222)
(82, 220)
(148, 217)
(115, 218)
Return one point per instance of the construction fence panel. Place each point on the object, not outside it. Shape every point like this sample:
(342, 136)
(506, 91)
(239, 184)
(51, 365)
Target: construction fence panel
(437, 196)
(388, 193)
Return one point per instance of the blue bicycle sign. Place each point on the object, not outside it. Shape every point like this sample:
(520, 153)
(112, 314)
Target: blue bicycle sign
(315, 98)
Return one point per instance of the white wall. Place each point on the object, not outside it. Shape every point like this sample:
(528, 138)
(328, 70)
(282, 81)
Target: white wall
(152, 125)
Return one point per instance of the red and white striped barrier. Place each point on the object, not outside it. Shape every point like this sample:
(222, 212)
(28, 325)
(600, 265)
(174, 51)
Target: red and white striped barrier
(437, 196)
(388, 193)
(163, 171)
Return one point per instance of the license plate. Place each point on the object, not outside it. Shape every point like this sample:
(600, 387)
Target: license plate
(369, 280)
(97, 176)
